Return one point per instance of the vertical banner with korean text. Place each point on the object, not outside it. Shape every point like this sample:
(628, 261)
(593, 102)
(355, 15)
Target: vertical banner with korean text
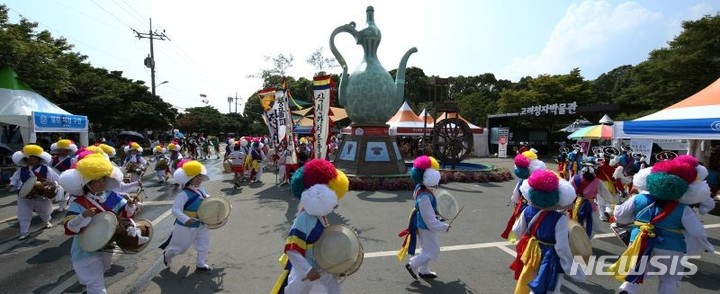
(321, 92)
(503, 135)
(289, 136)
(280, 115)
(267, 100)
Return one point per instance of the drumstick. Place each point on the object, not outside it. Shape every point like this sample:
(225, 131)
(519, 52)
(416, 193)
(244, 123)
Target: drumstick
(456, 215)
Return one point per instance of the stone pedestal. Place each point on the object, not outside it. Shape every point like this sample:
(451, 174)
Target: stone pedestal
(370, 151)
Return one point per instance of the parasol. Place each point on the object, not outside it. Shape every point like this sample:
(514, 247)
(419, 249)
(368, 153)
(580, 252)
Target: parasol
(132, 136)
(593, 132)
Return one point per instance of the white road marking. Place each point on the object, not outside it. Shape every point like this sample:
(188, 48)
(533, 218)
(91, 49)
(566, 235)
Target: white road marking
(494, 244)
(507, 250)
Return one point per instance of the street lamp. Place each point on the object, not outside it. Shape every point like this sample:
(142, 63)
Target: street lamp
(163, 83)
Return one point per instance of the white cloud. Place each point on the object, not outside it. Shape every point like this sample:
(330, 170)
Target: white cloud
(595, 36)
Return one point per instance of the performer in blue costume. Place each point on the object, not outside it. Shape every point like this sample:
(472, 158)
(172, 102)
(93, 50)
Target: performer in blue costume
(544, 256)
(661, 223)
(319, 186)
(574, 161)
(424, 221)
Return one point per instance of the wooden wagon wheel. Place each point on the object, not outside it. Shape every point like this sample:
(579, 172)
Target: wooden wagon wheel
(452, 140)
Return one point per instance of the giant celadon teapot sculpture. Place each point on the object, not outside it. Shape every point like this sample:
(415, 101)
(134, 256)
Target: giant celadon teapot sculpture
(369, 94)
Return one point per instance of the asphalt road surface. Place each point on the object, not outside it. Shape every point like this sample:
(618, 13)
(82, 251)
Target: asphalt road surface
(244, 252)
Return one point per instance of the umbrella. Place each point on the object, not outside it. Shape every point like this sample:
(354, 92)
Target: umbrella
(576, 125)
(593, 132)
(132, 136)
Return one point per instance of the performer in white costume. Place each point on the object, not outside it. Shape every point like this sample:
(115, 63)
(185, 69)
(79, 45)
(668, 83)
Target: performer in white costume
(33, 161)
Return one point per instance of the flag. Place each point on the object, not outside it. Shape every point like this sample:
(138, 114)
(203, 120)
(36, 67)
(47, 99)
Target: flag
(270, 108)
(279, 112)
(321, 92)
(267, 97)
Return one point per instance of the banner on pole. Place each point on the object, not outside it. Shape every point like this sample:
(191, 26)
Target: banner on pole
(321, 92)
(270, 108)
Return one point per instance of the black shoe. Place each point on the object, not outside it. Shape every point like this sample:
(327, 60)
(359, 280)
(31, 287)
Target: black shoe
(607, 216)
(411, 271)
(165, 259)
(427, 276)
(203, 269)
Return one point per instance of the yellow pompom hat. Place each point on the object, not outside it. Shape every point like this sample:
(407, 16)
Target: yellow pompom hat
(174, 147)
(133, 146)
(92, 167)
(31, 150)
(188, 170)
(109, 150)
(64, 144)
(159, 149)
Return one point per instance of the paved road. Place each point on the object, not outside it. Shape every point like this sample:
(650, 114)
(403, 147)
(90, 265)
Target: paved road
(244, 252)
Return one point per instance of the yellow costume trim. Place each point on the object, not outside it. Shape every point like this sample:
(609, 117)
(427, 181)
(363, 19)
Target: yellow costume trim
(531, 259)
(576, 208)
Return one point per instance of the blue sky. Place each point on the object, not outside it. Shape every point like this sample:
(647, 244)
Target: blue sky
(215, 45)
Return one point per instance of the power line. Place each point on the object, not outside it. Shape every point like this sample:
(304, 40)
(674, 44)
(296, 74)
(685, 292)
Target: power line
(141, 21)
(111, 14)
(133, 9)
(68, 36)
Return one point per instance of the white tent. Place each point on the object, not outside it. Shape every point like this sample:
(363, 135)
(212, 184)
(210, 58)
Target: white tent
(21, 106)
(406, 123)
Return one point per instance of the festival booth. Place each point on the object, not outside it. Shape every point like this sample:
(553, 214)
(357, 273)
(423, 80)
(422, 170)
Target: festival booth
(697, 118)
(406, 123)
(33, 113)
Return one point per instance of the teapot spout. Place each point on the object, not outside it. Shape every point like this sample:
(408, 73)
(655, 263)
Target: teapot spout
(400, 77)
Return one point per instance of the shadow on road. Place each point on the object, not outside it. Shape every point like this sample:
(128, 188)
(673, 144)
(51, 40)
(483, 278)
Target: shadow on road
(51, 254)
(396, 196)
(439, 287)
(185, 281)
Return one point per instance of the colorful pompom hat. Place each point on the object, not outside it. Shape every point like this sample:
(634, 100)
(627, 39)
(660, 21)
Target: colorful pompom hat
(187, 170)
(159, 149)
(425, 171)
(109, 150)
(698, 190)
(133, 146)
(669, 180)
(543, 189)
(93, 166)
(526, 163)
(319, 185)
(174, 146)
(31, 150)
(64, 144)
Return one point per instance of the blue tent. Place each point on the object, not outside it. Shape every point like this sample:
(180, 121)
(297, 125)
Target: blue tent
(697, 117)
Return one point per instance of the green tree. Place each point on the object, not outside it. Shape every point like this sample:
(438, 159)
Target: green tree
(687, 65)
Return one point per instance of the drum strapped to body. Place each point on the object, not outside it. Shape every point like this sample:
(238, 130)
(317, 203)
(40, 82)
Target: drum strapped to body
(106, 234)
(161, 164)
(447, 206)
(227, 166)
(338, 251)
(214, 211)
(33, 189)
(579, 240)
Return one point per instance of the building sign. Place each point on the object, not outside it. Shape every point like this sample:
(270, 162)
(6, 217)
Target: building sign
(53, 122)
(555, 108)
(537, 110)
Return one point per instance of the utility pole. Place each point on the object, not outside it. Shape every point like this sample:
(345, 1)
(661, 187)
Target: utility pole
(150, 60)
(236, 99)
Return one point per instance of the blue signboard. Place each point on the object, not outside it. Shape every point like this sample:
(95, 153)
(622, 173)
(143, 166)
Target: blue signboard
(53, 122)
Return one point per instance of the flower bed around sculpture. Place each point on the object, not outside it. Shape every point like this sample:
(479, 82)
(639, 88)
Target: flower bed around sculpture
(360, 183)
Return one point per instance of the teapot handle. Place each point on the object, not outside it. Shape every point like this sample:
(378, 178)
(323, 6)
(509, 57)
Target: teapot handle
(344, 78)
(348, 28)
